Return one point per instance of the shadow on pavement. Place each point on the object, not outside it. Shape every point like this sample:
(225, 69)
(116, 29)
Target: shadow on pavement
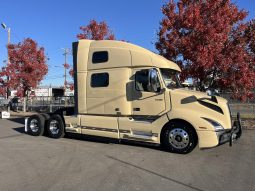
(96, 139)
(106, 140)
(19, 129)
(90, 138)
(19, 120)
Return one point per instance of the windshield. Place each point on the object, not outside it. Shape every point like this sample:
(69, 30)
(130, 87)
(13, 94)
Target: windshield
(171, 78)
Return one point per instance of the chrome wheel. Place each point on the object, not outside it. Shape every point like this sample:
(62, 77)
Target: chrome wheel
(54, 127)
(178, 138)
(34, 125)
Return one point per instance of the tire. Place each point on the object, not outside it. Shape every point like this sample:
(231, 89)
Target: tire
(35, 125)
(179, 137)
(55, 127)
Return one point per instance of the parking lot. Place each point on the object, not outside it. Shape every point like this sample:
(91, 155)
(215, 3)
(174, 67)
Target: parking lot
(76, 163)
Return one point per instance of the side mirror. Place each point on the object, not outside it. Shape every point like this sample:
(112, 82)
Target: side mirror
(154, 84)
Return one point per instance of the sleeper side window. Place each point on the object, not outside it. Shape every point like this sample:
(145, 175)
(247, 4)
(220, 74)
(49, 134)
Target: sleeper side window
(99, 80)
(99, 57)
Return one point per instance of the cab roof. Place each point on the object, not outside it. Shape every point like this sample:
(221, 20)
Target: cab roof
(137, 52)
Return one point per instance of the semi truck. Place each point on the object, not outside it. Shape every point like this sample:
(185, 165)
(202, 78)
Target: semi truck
(126, 92)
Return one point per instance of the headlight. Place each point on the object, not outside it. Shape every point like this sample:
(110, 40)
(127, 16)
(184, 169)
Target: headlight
(217, 126)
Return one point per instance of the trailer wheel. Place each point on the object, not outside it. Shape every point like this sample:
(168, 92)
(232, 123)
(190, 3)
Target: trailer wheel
(36, 125)
(179, 137)
(55, 127)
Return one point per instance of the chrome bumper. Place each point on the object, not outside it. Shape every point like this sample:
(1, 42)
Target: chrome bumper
(231, 135)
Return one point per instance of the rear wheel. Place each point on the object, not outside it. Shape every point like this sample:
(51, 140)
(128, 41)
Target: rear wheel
(55, 127)
(36, 125)
(179, 137)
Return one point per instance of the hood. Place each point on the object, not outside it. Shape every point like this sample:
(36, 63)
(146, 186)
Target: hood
(200, 105)
(201, 95)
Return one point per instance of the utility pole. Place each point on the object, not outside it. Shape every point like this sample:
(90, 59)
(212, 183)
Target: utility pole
(8, 29)
(66, 52)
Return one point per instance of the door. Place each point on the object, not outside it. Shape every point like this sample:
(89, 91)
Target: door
(147, 100)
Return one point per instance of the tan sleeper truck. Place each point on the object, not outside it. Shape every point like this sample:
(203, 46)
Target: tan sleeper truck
(123, 91)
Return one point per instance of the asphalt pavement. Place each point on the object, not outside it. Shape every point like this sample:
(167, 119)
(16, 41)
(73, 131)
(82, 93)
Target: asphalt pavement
(83, 163)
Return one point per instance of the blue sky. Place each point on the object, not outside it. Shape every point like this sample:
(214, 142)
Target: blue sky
(54, 24)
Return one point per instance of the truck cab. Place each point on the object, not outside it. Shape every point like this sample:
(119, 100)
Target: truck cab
(124, 91)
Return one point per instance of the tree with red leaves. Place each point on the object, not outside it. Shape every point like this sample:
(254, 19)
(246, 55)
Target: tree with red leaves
(96, 31)
(238, 69)
(250, 39)
(3, 86)
(27, 67)
(209, 40)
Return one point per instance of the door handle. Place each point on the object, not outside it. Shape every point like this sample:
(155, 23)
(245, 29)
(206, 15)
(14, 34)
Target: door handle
(136, 109)
(158, 99)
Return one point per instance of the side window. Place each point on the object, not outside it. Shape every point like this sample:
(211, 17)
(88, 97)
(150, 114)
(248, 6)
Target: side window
(99, 80)
(142, 80)
(99, 57)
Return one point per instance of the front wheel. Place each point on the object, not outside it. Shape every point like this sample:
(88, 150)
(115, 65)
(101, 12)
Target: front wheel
(55, 127)
(179, 137)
